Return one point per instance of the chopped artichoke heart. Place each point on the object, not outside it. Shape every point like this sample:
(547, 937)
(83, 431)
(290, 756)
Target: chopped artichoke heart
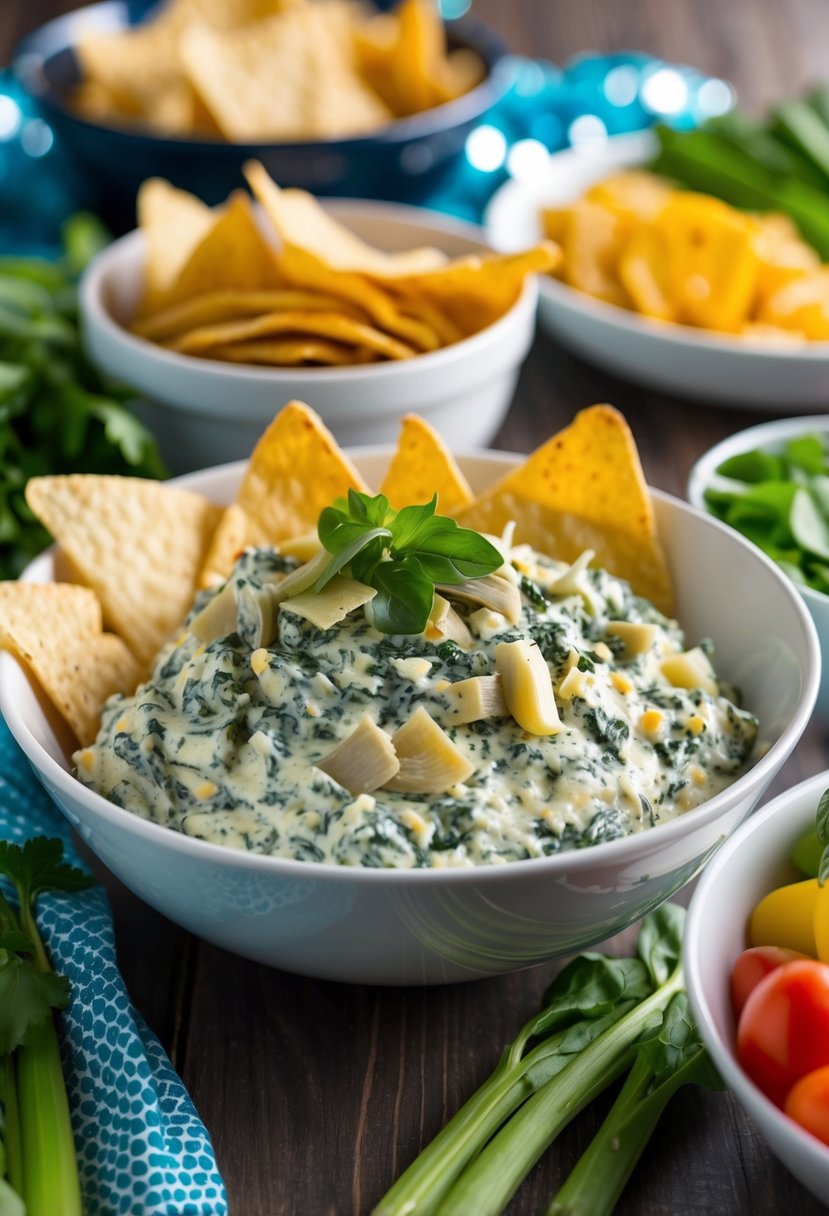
(571, 581)
(328, 607)
(429, 761)
(493, 592)
(304, 577)
(445, 621)
(637, 637)
(690, 670)
(218, 618)
(364, 760)
(474, 699)
(527, 687)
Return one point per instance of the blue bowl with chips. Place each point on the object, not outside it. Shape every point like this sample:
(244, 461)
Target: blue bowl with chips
(401, 160)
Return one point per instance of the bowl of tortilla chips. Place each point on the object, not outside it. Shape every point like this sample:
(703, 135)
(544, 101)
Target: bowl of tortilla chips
(141, 549)
(218, 316)
(330, 94)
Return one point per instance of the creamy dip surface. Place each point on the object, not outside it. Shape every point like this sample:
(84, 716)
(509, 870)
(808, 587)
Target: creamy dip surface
(222, 742)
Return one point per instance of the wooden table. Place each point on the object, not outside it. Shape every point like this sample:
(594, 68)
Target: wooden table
(318, 1094)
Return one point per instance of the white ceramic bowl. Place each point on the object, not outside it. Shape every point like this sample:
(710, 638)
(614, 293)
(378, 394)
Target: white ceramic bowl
(429, 926)
(675, 358)
(205, 412)
(771, 436)
(752, 863)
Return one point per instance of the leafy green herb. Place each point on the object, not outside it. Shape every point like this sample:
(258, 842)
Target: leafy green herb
(598, 1017)
(822, 831)
(38, 1160)
(57, 413)
(402, 554)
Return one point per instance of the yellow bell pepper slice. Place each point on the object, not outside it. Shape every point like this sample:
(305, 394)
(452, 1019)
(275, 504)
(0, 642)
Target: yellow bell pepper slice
(786, 917)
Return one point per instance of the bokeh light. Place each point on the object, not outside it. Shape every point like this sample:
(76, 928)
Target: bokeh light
(486, 148)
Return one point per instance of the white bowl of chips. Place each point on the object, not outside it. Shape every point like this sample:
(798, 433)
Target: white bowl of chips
(222, 340)
(354, 922)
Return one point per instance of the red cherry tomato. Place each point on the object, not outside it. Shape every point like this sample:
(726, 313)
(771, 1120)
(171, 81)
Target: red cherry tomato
(754, 965)
(784, 1028)
(808, 1103)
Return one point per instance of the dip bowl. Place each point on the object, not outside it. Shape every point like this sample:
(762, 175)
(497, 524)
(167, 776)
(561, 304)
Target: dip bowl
(383, 926)
(753, 862)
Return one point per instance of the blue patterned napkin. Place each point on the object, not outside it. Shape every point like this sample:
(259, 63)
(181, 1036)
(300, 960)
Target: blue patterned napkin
(141, 1145)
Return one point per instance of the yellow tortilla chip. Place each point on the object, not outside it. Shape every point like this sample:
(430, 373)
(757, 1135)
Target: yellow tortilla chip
(324, 324)
(476, 290)
(293, 352)
(173, 223)
(299, 220)
(232, 254)
(296, 469)
(231, 304)
(421, 465)
(138, 544)
(56, 630)
(303, 269)
(583, 489)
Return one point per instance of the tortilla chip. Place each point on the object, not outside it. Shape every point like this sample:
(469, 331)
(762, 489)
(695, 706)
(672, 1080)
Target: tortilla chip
(303, 269)
(583, 489)
(139, 544)
(174, 223)
(296, 469)
(229, 305)
(421, 465)
(476, 290)
(56, 630)
(420, 49)
(293, 352)
(299, 220)
(324, 324)
(232, 254)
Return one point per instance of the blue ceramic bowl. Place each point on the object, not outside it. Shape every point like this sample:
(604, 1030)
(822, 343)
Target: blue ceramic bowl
(402, 160)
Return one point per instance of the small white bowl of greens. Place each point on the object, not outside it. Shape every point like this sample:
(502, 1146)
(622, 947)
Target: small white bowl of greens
(771, 483)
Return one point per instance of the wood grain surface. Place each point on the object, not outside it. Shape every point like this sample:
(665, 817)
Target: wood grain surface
(318, 1094)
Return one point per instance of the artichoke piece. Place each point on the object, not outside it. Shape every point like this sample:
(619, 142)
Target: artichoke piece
(328, 607)
(364, 760)
(493, 592)
(218, 618)
(527, 687)
(690, 670)
(571, 582)
(444, 622)
(637, 636)
(304, 576)
(474, 699)
(429, 761)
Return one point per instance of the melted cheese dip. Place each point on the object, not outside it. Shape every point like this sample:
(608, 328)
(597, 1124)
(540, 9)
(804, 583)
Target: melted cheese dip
(223, 740)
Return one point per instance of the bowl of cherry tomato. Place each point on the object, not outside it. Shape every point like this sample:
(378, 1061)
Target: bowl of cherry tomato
(756, 960)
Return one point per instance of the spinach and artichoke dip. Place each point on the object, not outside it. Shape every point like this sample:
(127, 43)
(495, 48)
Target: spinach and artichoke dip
(543, 708)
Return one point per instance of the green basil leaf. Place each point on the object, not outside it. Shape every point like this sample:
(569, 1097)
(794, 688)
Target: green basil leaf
(807, 452)
(410, 523)
(456, 555)
(753, 467)
(361, 540)
(404, 597)
(808, 526)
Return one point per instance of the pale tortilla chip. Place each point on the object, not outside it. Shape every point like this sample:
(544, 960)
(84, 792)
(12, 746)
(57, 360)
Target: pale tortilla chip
(229, 305)
(583, 489)
(56, 630)
(232, 255)
(293, 352)
(138, 544)
(421, 465)
(331, 325)
(299, 220)
(296, 469)
(303, 269)
(173, 223)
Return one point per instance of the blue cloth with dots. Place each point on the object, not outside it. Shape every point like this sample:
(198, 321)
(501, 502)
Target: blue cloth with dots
(142, 1149)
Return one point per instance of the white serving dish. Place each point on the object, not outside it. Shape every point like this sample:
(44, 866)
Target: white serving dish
(674, 358)
(772, 436)
(753, 862)
(428, 926)
(205, 412)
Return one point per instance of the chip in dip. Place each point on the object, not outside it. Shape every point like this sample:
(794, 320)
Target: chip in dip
(540, 704)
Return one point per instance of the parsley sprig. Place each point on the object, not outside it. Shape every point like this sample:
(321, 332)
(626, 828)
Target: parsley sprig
(402, 554)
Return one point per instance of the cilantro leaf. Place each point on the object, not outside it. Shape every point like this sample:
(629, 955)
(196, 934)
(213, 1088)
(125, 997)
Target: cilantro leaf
(37, 866)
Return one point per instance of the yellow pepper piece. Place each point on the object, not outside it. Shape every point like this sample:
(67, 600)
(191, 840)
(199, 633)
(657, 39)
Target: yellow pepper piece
(712, 260)
(786, 917)
(821, 923)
